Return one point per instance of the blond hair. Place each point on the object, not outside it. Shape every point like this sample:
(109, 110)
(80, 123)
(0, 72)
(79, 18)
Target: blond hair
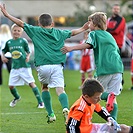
(5, 29)
(99, 19)
(15, 25)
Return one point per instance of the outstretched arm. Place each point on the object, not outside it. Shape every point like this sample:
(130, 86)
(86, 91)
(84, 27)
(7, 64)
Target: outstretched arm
(14, 19)
(66, 49)
(83, 28)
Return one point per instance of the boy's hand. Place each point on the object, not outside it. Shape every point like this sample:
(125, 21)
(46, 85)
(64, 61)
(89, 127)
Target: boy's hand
(113, 123)
(3, 9)
(4, 59)
(86, 25)
(65, 49)
(27, 58)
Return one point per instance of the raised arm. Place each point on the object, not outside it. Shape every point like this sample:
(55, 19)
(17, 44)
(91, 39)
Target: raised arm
(14, 19)
(83, 28)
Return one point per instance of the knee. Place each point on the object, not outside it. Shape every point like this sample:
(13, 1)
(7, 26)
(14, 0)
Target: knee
(125, 128)
(44, 87)
(11, 87)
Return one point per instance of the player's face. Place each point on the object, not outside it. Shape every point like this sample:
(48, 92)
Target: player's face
(91, 25)
(93, 99)
(16, 32)
(116, 10)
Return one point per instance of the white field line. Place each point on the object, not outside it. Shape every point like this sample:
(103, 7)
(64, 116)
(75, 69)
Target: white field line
(21, 113)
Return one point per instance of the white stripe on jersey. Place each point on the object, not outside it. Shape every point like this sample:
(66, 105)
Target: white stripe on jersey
(72, 126)
(82, 105)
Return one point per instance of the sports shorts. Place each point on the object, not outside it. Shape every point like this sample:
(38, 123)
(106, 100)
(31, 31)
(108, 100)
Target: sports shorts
(21, 76)
(111, 82)
(87, 64)
(51, 75)
(102, 128)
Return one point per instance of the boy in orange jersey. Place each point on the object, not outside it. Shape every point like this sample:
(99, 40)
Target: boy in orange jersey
(80, 115)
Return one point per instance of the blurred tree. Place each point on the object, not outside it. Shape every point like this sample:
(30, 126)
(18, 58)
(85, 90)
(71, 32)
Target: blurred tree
(128, 15)
(82, 13)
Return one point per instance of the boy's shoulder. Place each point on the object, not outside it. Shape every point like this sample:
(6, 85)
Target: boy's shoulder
(23, 39)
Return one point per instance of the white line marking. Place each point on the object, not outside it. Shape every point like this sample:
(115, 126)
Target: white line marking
(21, 113)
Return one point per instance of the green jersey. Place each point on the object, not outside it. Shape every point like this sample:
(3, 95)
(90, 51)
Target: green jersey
(18, 49)
(106, 53)
(47, 44)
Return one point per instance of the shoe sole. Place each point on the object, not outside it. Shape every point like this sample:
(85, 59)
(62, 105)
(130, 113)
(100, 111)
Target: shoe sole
(110, 102)
(65, 113)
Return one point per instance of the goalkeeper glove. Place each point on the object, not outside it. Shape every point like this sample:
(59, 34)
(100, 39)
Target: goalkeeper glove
(113, 123)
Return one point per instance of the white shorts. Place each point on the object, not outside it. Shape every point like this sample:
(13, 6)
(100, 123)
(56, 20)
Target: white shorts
(111, 83)
(51, 75)
(20, 77)
(102, 128)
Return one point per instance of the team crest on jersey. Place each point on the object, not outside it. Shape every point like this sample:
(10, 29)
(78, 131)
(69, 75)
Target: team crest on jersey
(16, 54)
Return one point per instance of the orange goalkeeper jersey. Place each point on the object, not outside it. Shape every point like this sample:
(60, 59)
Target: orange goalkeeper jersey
(82, 112)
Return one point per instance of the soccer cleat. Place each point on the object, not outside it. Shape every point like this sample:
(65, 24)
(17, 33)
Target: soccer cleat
(65, 113)
(131, 88)
(110, 102)
(51, 118)
(41, 105)
(14, 102)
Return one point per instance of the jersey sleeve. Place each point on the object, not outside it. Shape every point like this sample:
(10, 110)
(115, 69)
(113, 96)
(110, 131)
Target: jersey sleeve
(103, 113)
(66, 34)
(26, 47)
(74, 121)
(29, 29)
(91, 39)
(5, 49)
(73, 126)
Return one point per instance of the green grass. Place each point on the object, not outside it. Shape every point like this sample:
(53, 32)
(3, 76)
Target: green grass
(27, 118)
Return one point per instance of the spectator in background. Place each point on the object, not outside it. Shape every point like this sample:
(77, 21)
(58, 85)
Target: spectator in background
(116, 26)
(87, 61)
(5, 34)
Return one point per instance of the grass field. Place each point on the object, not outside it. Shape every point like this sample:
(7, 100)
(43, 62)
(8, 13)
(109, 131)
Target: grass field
(27, 118)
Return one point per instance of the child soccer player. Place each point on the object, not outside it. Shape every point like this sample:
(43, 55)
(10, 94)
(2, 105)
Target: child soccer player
(21, 71)
(49, 60)
(80, 115)
(87, 61)
(109, 66)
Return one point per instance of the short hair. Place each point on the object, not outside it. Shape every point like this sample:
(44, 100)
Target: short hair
(45, 20)
(99, 19)
(116, 5)
(15, 25)
(91, 86)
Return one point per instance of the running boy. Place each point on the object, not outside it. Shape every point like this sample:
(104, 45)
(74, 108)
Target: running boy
(21, 71)
(80, 115)
(49, 60)
(109, 66)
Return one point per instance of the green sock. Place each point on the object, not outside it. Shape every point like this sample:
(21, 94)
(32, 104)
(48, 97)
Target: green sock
(63, 100)
(47, 101)
(104, 96)
(15, 93)
(37, 94)
(114, 112)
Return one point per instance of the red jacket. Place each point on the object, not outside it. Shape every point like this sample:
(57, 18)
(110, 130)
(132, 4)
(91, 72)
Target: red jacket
(116, 26)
